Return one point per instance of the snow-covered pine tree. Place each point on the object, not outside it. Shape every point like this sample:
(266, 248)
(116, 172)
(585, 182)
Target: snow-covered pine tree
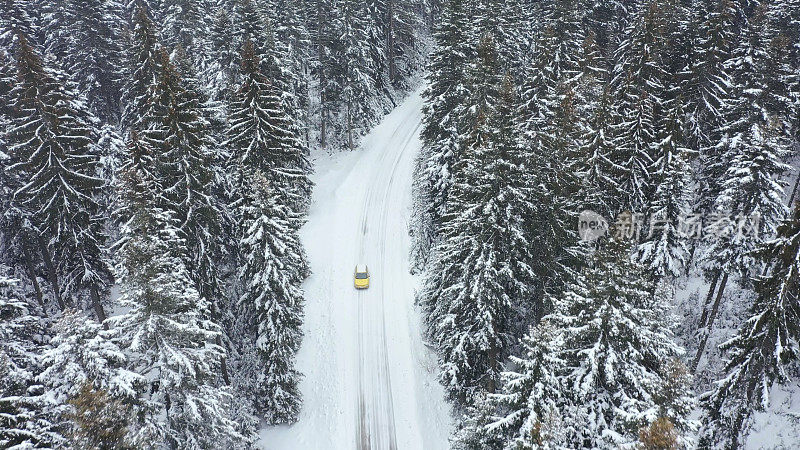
(709, 79)
(220, 75)
(442, 111)
(753, 145)
(503, 22)
(15, 18)
(178, 130)
(273, 267)
(263, 138)
(166, 332)
(597, 168)
(186, 24)
(639, 84)
(481, 270)
(251, 22)
(402, 26)
(81, 352)
(664, 250)
(358, 72)
(90, 35)
(143, 68)
(532, 394)
(294, 41)
(551, 129)
(81, 356)
(765, 349)
(51, 145)
(616, 346)
(26, 414)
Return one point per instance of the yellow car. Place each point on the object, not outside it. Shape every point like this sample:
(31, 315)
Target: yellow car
(361, 277)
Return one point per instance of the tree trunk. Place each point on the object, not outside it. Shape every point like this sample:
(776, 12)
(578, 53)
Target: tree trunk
(692, 249)
(349, 128)
(709, 327)
(98, 306)
(390, 37)
(704, 317)
(223, 365)
(51, 273)
(491, 387)
(323, 112)
(794, 190)
(34, 280)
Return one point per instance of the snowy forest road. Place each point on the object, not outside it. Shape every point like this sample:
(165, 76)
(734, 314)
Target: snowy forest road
(370, 382)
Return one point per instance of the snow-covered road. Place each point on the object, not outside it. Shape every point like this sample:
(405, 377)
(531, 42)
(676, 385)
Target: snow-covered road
(369, 379)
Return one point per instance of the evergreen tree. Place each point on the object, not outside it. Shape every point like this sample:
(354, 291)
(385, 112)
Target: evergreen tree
(166, 332)
(90, 35)
(263, 137)
(52, 149)
(481, 266)
(178, 131)
(15, 19)
(615, 347)
(26, 419)
(754, 144)
(81, 352)
(664, 251)
(446, 90)
(358, 73)
(708, 86)
(100, 421)
(220, 74)
(532, 394)
(143, 69)
(754, 141)
(765, 349)
(639, 83)
(273, 268)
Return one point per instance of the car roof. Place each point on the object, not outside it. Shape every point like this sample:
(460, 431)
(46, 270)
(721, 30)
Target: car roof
(361, 268)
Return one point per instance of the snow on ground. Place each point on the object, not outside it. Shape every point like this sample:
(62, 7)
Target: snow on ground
(370, 382)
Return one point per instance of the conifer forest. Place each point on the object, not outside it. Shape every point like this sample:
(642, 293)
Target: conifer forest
(575, 224)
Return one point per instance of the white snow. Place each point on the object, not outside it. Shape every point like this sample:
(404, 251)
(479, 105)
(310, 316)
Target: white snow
(370, 382)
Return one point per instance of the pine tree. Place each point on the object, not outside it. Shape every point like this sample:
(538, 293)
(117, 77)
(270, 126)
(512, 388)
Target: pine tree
(15, 18)
(166, 332)
(185, 24)
(178, 131)
(765, 348)
(52, 148)
(100, 421)
(143, 68)
(358, 73)
(664, 251)
(753, 146)
(220, 74)
(638, 79)
(708, 85)
(93, 56)
(263, 137)
(82, 352)
(599, 153)
(615, 347)
(273, 268)
(532, 393)
(26, 419)
(481, 266)
(442, 111)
